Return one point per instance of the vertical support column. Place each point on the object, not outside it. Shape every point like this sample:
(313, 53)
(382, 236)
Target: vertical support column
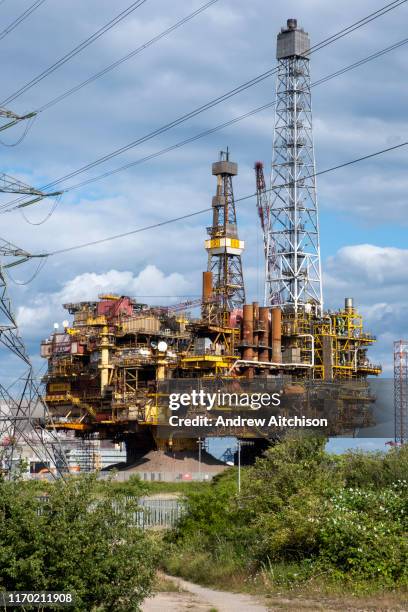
(207, 286)
(248, 331)
(263, 336)
(161, 370)
(207, 295)
(255, 307)
(105, 365)
(327, 354)
(248, 337)
(276, 334)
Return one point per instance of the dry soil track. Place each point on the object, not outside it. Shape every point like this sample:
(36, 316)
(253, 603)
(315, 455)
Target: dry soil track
(195, 598)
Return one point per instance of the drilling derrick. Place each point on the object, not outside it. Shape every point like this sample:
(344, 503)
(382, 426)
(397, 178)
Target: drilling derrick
(294, 228)
(329, 346)
(224, 247)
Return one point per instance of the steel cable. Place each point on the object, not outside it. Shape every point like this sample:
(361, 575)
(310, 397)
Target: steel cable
(83, 45)
(207, 209)
(333, 38)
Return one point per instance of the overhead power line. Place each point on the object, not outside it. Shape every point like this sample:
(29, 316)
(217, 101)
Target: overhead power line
(217, 128)
(345, 31)
(333, 38)
(11, 205)
(225, 124)
(209, 208)
(361, 62)
(21, 18)
(88, 41)
(125, 58)
(97, 75)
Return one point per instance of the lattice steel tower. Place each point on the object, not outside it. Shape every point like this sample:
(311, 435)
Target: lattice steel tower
(294, 274)
(23, 412)
(224, 247)
(401, 390)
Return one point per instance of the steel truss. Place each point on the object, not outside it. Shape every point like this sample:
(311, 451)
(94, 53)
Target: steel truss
(23, 412)
(401, 390)
(294, 272)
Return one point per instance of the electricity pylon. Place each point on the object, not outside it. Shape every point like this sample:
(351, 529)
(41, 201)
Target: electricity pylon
(14, 118)
(23, 412)
(401, 391)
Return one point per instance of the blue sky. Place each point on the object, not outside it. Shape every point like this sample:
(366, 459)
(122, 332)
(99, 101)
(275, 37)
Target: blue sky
(362, 208)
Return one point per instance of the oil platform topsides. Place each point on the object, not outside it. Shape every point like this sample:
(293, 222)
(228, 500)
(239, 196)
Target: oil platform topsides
(105, 368)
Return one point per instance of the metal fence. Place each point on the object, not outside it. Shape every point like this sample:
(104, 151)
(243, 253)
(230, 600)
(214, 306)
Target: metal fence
(159, 476)
(158, 512)
(151, 512)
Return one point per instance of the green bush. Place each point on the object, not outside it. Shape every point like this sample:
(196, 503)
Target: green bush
(302, 512)
(133, 487)
(283, 496)
(76, 541)
(363, 534)
(375, 469)
(214, 521)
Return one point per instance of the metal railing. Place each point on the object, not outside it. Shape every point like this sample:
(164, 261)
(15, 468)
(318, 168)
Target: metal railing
(151, 512)
(158, 512)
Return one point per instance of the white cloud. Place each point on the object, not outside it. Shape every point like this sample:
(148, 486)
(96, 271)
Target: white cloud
(377, 278)
(47, 307)
(150, 281)
(371, 265)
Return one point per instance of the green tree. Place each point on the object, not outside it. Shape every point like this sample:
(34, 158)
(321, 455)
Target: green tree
(81, 539)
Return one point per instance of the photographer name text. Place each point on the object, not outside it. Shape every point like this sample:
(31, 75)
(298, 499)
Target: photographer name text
(239, 421)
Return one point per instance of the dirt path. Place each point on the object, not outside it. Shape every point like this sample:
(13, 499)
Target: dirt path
(194, 598)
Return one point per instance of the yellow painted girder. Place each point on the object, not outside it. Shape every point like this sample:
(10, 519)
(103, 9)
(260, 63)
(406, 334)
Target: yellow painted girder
(73, 426)
(213, 358)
